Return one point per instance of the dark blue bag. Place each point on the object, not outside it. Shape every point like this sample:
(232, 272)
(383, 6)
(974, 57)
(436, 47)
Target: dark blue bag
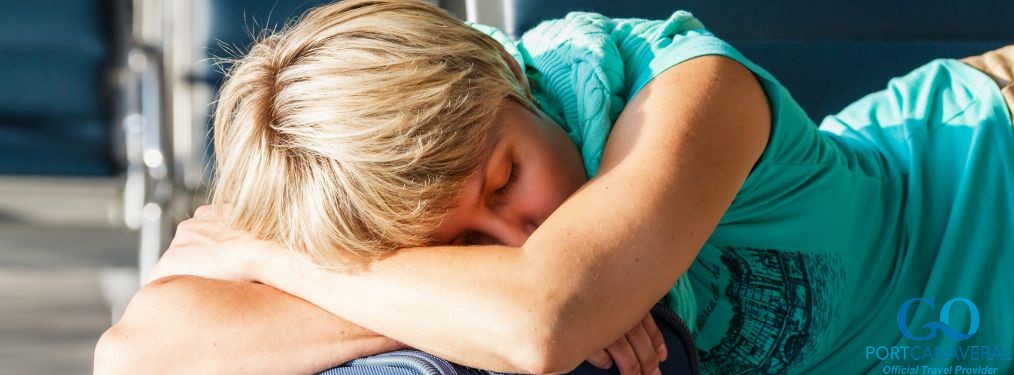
(683, 356)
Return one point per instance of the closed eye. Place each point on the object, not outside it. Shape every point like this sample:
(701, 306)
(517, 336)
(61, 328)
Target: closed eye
(511, 179)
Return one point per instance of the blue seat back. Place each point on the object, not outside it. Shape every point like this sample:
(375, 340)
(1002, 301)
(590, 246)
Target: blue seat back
(828, 53)
(235, 24)
(55, 86)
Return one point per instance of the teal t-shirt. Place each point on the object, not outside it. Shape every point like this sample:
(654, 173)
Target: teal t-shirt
(907, 193)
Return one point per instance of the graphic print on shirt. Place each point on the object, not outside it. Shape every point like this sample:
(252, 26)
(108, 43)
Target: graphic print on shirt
(763, 310)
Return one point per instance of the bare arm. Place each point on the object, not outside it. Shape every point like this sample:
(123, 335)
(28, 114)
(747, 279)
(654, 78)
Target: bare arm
(676, 158)
(190, 324)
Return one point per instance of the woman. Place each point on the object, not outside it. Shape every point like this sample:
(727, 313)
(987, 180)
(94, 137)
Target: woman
(375, 126)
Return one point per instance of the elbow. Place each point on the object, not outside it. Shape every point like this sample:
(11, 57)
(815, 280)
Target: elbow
(545, 347)
(142, 339)
(546, 358)
(544, 329)
(114, 354)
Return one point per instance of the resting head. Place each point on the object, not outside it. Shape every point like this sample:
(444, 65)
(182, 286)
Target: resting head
(373, 125)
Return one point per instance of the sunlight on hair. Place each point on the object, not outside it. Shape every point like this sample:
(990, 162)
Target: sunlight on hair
(345, 135)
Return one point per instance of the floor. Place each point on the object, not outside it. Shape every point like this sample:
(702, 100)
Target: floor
(64, 260)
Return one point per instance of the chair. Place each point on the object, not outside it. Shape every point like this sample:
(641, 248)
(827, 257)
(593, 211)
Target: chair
(166, 94)
(44, 131)
(79, 97)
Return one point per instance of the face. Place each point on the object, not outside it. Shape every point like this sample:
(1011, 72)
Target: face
(528, 169)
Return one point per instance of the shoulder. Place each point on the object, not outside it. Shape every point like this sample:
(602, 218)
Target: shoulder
(709, 99)
(717, 72)
(723, 89)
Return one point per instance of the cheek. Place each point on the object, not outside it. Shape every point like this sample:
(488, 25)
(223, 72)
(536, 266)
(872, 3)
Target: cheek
(569, 168)
(552, 180)
(539, 199)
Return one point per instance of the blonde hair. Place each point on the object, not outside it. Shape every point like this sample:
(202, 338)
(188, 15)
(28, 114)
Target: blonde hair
(346, 134)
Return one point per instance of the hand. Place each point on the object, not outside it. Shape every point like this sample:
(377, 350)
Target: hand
(205, 246)
(637, 352)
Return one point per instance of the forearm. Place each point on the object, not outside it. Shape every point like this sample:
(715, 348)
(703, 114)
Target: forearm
(191, 323)
(540, 308)
(467, 325)
(670, 170)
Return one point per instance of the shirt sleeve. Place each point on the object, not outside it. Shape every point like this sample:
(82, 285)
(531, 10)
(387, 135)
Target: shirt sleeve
(649, 48)
(585, 68)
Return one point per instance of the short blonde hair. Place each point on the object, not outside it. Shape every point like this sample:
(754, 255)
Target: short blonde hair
(346, 134)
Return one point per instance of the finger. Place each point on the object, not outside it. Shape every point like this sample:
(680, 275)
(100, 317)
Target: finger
(186, 223)
(646, 352)
(211, 212)
(623, 356)
(656, 337)
(601, 359)
(203, 211)
(187, 231)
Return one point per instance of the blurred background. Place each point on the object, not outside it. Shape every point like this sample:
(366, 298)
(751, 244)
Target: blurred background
(104, 121)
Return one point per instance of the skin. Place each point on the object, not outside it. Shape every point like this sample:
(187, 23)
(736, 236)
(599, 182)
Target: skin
(189, 324)
(487, 211)
(529, 167)
(676, 158)
(546, 169)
